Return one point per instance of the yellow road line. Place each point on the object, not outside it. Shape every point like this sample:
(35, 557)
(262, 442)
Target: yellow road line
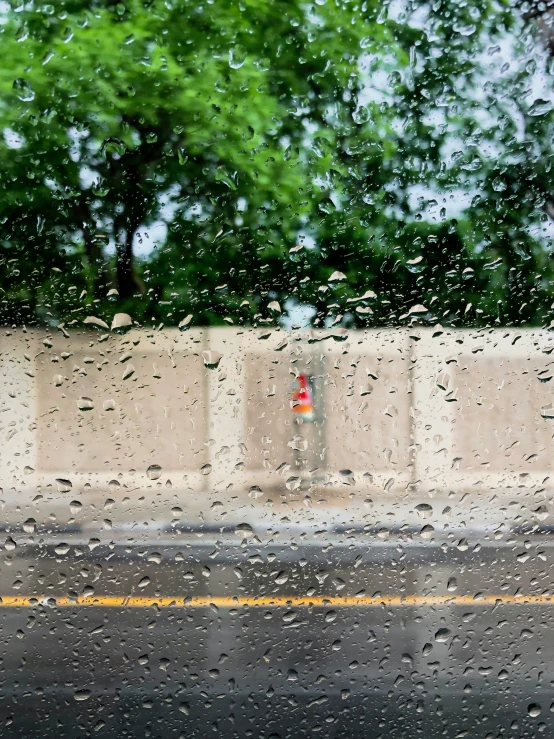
(364, 601)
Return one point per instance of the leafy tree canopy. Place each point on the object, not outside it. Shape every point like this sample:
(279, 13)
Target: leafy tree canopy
(304, 153)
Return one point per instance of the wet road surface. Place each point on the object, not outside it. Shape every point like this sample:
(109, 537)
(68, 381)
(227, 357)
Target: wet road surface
(356, 636)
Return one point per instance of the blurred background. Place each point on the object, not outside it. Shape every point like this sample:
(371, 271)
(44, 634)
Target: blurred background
(276, 313)
(168, 159)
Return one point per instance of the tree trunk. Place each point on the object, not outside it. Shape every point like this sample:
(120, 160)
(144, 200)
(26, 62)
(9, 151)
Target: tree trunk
(101, 278)
(543, 17)
(128, 282)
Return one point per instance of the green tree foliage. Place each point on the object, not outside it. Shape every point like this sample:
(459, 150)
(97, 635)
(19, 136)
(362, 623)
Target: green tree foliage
(273, 144)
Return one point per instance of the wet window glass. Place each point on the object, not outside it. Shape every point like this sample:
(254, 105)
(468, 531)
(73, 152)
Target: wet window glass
(276, 349)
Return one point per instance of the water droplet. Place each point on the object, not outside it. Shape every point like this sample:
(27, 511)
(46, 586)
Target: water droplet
(322, 147)
(211, 359)
(424, 510)
(427, 532)
(347, 477)
(541, 512)
(23, 90)
(29, 526)
(547, 411)
(10, 544)
(121, 320)
(442, 635)
(337, 277)
(361, 115)
(185, 323)
(293, 483)
(61, 549)
(82, 695)
(113, 146)
(452, 584)
(298, 443)
(206, 469)
(534, 709)
(417, 310)
(540, 107)
(237, 56)
(154, 472)
(94, 321)
(63, 485)
(244, 530)
(85, 404)
(144, 582)
(75, 506)
(129, 371)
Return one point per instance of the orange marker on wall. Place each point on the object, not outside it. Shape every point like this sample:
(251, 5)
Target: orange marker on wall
(302, 399)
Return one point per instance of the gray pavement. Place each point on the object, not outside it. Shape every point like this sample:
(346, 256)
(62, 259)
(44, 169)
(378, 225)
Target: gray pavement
(432, 637)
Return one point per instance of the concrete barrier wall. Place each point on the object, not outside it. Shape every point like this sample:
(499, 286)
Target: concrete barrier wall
(478, 400)
(396, 410)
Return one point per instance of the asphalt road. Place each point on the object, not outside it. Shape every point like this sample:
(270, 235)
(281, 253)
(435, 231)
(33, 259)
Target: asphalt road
(355, 636)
